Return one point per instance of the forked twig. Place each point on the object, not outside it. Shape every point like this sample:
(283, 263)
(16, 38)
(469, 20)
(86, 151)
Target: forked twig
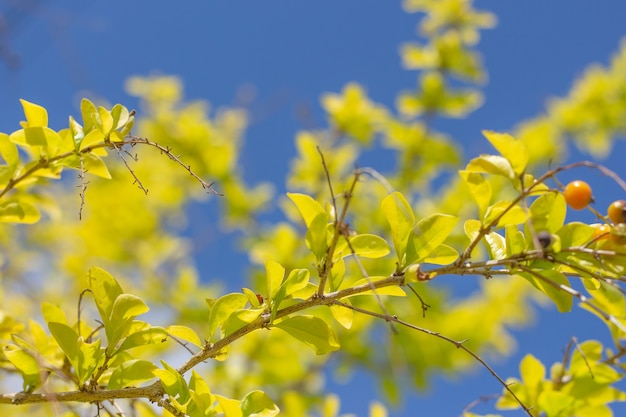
(137, 181)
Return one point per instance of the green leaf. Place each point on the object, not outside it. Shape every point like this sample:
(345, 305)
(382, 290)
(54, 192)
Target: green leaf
(258, 404)
(297, 280)
(18, 211)
(240, 318)
(343, 315)
(532, 372)
(317, 236)
(88, 111)
(496, 245)
(131, 373)
(127, 306)
(106, 120)
(442, 255)
(173, 383)
(548, 212)
(513, 150)
(548, 285)
(36, 115)
(430, 232)
(36, 136)
(52, 312)
(252, 297)
(120, 116)
(472, 228)
(401, 219)
(513, 215)
(151, 335)
(26, 364)
(556, 403)
(575, 234)
(229, 406)
(369, 246)
(92, 138)
(312, 331)
(223, 308)
(84, 357)
(105, 291)
(184, 333)
(309, 208)
(275, 274)
(491, 164)
(8, 150)
(479, 188)
(514, 240)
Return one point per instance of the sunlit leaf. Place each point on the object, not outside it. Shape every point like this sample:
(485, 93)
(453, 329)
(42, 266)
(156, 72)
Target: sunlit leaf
(131, 373)
(224, 307)
(369, 246)
(307, 206)
(312, 331)
(513, 150)
(275, 274)
(430, 232)
(26, 365)
(479, 188)
(491, 164)
(18, 211)
(36, 115)
(343, 315)
(258, 404)
(184, 333)
(401, 219)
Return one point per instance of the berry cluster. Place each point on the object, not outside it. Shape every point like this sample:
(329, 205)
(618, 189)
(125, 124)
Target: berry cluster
(578, 195)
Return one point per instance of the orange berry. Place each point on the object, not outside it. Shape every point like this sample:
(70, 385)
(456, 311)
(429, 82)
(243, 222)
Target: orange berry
(617, 211)
(578, 194)
(601, 231)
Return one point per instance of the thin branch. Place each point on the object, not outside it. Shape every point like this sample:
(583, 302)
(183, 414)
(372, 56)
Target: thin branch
(330, 184)
(457, 344)
(425, 306)
(123, 158)
(339, 226)
(83, 188)
(167, 151)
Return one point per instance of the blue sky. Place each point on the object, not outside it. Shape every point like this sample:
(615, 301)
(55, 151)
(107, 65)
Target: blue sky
(291, 52)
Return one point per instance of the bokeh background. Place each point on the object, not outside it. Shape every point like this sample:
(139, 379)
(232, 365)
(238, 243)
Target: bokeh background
(276, 58)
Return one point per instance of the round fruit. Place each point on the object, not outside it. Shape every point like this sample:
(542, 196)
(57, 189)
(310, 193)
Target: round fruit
(578, 194)
(617, 211)
(601, 231)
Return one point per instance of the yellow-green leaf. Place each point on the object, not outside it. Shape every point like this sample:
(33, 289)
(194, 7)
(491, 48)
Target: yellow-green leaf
(369, 246)
(513, 150)
(275, 273)
(430, 232)
(18, 211)
(491, 164)
(479, 188)
(258, 404)
(343, 315)
(307, 206)
(401, 219)
(224, 307)
(36, 115)
(312, 331)
(184, 333)
(131, 373)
